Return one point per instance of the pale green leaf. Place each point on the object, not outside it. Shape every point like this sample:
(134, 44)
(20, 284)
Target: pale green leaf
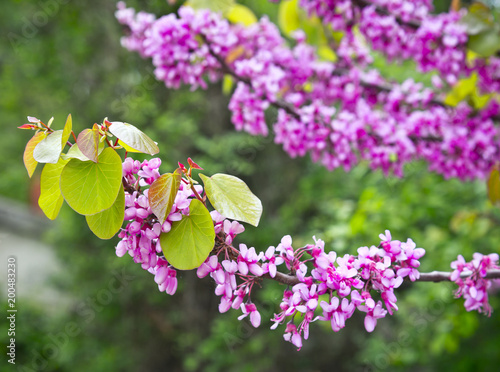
(133, 137)
(232, 198)
(90, 187)
(51, 199)
(190, 241)
(49, 149)
(107, 223)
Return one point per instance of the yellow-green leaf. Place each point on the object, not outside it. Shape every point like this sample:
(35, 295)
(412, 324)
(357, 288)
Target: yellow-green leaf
(466, 89)
(89, 187)
(29, 161)
(68, 127)
(106, 224)
(227, 84)
(51, 199)
(232, 198)
(126, 147)
(191, 239)
(162, 193)
(49, 149)
(288, 16)
(326, 53)
(241, 14)
(133, 137)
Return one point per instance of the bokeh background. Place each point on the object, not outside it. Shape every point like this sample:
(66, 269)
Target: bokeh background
(81, 308)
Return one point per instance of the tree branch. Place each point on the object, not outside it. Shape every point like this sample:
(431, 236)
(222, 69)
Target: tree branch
(442, 276)
(433, 276)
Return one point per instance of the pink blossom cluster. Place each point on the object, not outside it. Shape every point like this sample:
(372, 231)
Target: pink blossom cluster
(471, 280)
(172, 42)
(244, 262)
(401, 29)
(349, 282)
(339, 113)
(140, 237)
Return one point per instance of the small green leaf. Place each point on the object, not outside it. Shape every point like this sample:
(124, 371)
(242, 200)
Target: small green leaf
(133, 137)
(51, 199)
(494, 186)
(89, 187)
(68, 127)
(106, 224)
(162, 194)
(88, 143)
(191, 239)
(49, 149)
(232, 198)
(227, 84)
(29, 161)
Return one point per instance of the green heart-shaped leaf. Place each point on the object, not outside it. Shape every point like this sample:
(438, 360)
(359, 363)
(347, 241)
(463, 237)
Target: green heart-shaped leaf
(133, 137)
(162, 194)
(49, 149)
(89, 187)
(232, 198)
(106, 224)
(51, 199)
(190, 241)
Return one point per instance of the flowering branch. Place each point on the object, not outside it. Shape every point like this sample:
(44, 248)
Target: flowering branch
(338, 113)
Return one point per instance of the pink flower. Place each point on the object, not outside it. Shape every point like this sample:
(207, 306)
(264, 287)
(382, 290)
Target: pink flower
(232, 229)
(250, 309)
(372, 314)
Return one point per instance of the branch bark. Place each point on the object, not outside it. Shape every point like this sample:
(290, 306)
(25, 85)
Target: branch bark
(442, 276)
(433, 276)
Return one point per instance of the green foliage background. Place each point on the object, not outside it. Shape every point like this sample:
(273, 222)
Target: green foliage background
(73, 63)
